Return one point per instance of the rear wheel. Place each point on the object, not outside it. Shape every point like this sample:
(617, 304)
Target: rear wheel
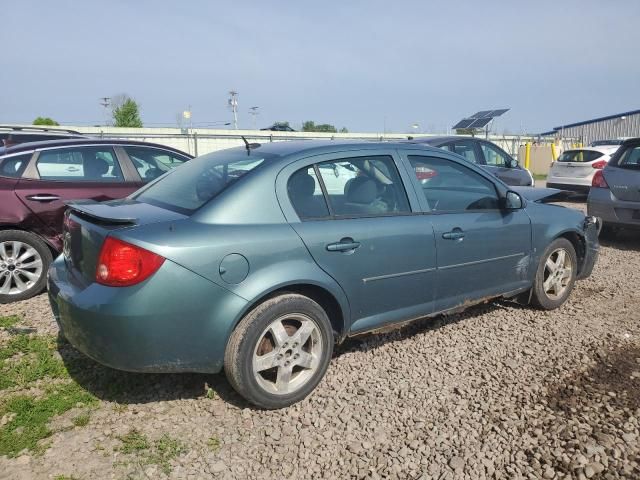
(24, 261)
(279, 351)
(556, 275)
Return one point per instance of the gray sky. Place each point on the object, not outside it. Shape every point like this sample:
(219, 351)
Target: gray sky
(349, 63)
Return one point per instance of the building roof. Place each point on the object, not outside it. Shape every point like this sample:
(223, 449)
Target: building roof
(593, 120)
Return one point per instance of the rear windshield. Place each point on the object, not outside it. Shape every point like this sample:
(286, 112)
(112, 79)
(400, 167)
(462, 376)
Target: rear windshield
(630, 158)
(601, 143)
(579, 156)
(189, 187)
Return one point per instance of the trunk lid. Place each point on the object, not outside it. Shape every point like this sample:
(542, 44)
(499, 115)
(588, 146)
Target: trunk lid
(578, 163)
(624, 182)
(88, 223)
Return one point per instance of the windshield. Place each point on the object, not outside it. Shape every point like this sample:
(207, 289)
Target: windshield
(599, 143)
(579, 156)
(189, 187)
(630, 158)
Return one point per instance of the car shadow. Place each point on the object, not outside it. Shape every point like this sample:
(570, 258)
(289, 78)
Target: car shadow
(127, 388)
(622, 240)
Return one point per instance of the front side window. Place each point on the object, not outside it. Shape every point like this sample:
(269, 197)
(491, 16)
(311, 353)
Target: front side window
(466, 149)
(364, 186)
(85, 164)
(450, 187)
(493, 156)
(151, 162)
(630, 158)
(189, 187)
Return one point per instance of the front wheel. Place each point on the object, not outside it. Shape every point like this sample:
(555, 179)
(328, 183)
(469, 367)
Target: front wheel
(556, 275)
(24, 261)
(279, 351)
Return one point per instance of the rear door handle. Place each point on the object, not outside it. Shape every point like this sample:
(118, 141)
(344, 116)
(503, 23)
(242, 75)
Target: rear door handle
(455, 234)
(43, 197)
(343, 245)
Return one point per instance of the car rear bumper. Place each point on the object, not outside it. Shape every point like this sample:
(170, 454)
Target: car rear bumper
(174, 321)
(611, 211)
(569, 186)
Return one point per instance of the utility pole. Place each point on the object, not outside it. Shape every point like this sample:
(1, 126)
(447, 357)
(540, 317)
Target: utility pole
(233, 104)
(106, 103)
(253, 111)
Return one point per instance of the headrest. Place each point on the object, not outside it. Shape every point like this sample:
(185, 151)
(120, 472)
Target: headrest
(302, 185)
(94, 166)
(362, 190)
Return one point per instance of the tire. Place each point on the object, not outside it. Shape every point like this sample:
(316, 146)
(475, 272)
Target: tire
(260, 354)
(609, 232)
(559, 290)
(22, 279)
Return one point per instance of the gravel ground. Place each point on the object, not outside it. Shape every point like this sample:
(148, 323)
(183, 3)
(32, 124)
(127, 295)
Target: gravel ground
(499, 391)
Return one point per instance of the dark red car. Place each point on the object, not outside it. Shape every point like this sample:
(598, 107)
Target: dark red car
(36, 179)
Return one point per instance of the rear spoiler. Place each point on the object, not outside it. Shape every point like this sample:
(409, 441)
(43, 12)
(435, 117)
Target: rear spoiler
(102, 212)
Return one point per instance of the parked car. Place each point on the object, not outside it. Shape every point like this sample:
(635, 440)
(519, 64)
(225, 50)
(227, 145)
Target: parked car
(575, 168)
(486, 154)
(615, 190)
(13, 135)
(36, 179)
(243, 260)
(279, 127)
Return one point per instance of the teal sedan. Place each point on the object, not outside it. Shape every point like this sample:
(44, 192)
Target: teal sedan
(258, 260)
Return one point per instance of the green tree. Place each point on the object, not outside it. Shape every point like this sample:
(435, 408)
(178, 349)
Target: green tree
(344, 130)
(45, 121)
(125, 113)
(310, 126)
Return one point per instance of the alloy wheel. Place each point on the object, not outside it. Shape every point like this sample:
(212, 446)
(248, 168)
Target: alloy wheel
(558, 271)
(287, 354)
(21, 267)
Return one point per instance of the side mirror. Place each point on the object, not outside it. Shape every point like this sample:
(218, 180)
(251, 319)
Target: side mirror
(512, 201)
(514, 163)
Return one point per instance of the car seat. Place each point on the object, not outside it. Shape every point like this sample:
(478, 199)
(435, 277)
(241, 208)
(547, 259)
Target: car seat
(301, 192)
(94, 167)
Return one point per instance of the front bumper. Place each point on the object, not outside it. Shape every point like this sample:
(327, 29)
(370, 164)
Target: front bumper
(176, 321)
(592, 247)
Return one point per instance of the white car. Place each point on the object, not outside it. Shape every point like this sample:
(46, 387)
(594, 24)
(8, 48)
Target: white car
(575, 168)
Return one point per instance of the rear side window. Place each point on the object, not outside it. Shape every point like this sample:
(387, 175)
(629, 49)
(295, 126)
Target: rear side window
(579, 156)
(467, 150)
(86, 164)
(630, 158)
(189, 187)
(355, 187)
(14, 166)
(306, 195)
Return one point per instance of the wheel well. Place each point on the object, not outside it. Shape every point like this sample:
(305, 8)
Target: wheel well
(318, 294)
(54, 252)
(578, 243)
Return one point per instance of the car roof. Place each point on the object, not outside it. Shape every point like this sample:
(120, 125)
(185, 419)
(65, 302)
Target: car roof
(440, 140)
(303, 148)
(75, 142)
(606, 149)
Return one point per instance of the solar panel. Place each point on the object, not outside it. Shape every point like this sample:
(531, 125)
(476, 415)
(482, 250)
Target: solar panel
(464, 123)
(481, 114)
(497, 113)
(480, 122)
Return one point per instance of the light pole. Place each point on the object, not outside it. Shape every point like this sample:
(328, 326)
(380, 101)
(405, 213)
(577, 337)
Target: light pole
(106, 103)
(233, 104)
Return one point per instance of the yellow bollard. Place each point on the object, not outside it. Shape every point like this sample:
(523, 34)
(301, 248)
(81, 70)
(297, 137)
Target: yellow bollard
(554, 155)
(527, 155)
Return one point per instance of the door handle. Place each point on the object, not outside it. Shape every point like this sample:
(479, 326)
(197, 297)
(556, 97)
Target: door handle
(43, 197)
(343, 245)
(455, 234)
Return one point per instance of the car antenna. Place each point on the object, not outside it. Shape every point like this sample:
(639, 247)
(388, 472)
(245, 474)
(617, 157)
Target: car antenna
(248, 145)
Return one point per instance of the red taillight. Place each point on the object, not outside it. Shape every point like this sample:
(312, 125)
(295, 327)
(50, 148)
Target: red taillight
(599, 181)
(600, 164)
(121, 264)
